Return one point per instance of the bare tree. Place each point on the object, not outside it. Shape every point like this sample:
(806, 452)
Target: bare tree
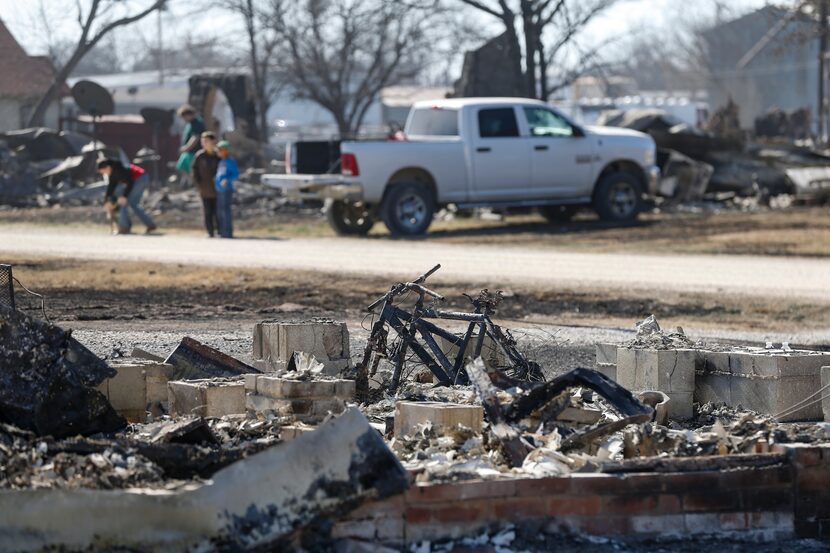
(550, 29)
(95, 25)
(263, 44)
(341, 53)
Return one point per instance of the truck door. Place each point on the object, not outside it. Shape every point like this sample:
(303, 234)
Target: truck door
(501, 160)
(561, 155)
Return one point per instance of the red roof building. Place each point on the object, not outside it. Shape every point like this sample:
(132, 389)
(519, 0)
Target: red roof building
(23, 80)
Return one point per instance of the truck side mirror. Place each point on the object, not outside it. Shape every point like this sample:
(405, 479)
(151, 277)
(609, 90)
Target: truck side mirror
(578, 132)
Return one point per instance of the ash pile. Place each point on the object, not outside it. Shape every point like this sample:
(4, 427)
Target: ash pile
(719, 166)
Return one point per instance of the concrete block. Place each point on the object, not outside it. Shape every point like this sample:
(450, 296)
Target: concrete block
(327, 341)
(680, 406)
(777, 364)
(206, 398)
(127, 390)
(410, 414)
(286, 388)
(825, 403)
(185, 398)
(663, 370)
(156, 377)
(608, 369)
(250, 382)
(227, 399)
(303, 409)
(606, 353)
(626, 368)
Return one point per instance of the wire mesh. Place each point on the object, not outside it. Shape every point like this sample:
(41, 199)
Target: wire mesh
(6, 286)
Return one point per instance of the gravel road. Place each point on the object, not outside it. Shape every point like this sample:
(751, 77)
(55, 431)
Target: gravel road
(513, 265)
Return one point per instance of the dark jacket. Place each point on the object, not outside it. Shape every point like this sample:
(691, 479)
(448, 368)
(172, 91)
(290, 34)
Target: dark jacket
(122, 175)
(204, 172)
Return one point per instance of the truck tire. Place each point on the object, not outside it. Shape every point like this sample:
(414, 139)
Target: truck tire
(349, 219)
(556, 214)
(618, 197)
(407, 209)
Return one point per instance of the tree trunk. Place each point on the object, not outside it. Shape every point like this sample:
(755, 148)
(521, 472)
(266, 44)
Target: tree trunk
(529, 31)
(515, 52)
(38, 115)
(543, 71)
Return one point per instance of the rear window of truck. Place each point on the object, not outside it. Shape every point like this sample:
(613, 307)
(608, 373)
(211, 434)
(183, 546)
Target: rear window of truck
(433, 122)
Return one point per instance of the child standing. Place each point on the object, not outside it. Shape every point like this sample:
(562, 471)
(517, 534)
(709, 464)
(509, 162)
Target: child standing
(226, 173)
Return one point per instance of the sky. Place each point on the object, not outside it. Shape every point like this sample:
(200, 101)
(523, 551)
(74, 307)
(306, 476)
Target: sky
(624, 19)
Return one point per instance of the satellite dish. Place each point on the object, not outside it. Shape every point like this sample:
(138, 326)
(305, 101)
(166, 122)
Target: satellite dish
(163, 118)
(93, 98)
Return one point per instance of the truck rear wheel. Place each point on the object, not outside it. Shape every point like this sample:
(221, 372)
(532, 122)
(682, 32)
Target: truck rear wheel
(408, 209)
(618, 197)
(349, 219)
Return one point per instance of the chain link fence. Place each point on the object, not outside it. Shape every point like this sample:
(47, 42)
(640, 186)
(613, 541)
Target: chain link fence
(6, 286)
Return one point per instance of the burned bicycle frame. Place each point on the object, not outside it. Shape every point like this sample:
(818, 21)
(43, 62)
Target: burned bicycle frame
(410, 326)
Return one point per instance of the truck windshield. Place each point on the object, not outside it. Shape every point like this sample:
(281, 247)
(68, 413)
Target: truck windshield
(433, 122)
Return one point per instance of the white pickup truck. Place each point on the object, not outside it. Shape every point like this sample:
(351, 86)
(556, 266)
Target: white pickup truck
(482, 152)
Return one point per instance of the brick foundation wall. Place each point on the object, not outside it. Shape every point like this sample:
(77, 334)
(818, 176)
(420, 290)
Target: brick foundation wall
(791, 497)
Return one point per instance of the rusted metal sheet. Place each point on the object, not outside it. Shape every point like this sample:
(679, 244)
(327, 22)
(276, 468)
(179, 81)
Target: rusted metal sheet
(193, 360)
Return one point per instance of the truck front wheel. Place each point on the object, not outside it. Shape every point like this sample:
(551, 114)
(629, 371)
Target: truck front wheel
(407, 209)
(618, 197)
(348, 219)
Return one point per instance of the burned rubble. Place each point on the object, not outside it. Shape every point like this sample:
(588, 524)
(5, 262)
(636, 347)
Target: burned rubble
(425, 405)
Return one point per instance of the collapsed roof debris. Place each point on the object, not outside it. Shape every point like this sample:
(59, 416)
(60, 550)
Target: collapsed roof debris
(193, 359)
(47, 380)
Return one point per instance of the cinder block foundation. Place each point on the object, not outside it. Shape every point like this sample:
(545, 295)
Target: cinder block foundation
(767, 381)
(206, 398)
(409, 415)
(308, 401)
(138, 385)
(276, 342)
(669, 371)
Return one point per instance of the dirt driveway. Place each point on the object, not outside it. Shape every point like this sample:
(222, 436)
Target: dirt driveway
(509, 265)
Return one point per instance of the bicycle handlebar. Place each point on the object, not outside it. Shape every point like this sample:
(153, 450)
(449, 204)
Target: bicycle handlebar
(415, 285)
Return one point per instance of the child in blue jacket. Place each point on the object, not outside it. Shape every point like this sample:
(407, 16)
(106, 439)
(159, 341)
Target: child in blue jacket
(226, 173)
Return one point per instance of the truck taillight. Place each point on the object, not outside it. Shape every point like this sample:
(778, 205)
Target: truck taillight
(288, 168)
(348, 165)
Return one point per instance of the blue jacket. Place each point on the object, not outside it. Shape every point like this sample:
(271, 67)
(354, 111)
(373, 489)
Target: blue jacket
(227, 170)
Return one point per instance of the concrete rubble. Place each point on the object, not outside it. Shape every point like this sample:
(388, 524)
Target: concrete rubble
(222, 455)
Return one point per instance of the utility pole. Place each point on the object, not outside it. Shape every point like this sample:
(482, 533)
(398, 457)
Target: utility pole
(822, 49)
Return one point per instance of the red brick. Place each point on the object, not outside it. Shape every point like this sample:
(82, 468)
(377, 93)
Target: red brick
(519, 508)
(813, 477)
(768, 499)
(807, 504)
(385, 507)
(418, 515)
(752, 477)
(681, 483)
(463, 511)
(668, 504)
(806, 456)
(542, 486)
(644, 483)
(711, 501)
(733, 521)
(603, 484)
(603, 526)
(461, 490)
(630, 505)
(574, 506)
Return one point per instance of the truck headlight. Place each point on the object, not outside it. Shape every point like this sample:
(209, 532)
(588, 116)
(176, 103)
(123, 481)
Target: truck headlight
(649, 157)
